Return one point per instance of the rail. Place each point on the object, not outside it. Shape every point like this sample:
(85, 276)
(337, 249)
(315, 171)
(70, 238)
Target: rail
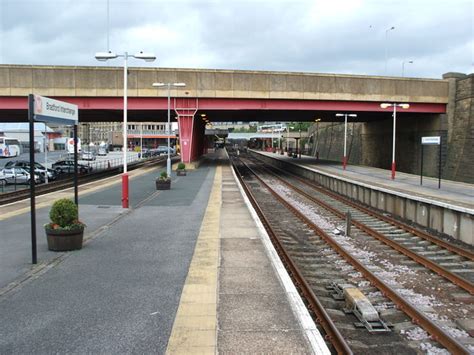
(419, 318)
(333, 334)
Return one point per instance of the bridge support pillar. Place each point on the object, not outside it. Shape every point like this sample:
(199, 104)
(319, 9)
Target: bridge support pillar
(190, 130)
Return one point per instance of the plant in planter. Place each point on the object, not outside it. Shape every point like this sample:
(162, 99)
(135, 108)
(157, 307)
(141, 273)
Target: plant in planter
(163, 182)
(181, 170)
(65, 231)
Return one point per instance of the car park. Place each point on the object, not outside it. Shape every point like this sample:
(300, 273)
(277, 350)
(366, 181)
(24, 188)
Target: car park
(16, 176)
(67, 166)
(40, 170)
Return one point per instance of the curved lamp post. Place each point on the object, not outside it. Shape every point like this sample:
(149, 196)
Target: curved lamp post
(403, 66)
(386, 38)
(387, 105)
(104, 56)
(345, 115)
(168, 85)
(317, 120)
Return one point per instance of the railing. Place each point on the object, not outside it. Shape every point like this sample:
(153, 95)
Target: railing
(96, 165)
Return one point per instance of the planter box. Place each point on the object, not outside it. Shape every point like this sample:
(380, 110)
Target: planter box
(163, 185)
(181, 172)
(60, 240)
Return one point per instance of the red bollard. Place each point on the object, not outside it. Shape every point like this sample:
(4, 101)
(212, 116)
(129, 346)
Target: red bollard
(125, 190)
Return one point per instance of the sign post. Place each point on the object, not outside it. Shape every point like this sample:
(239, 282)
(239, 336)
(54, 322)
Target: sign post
(433, 140)
(44, 109)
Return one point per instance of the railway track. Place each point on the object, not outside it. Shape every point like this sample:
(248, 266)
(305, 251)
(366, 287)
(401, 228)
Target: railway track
(9, 197)
(324, 260)
(449, 261)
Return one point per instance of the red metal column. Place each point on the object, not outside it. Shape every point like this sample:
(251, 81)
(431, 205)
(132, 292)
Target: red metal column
(186, 108)
(185, 125)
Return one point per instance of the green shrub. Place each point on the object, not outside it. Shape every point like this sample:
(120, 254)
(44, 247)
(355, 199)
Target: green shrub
(164, 176)
(64, 213)
(181, 166)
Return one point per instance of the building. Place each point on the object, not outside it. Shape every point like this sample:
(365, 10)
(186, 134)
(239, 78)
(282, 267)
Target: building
(146, 134)
(43, 135)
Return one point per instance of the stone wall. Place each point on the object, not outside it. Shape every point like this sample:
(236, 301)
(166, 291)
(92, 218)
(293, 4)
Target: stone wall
(460, 155)
(370, 143)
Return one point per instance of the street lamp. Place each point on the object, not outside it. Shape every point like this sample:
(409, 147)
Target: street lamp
(387, 105)
(288, 127)
(104, 56)
(169, 85)
(344, 159)
(141, 140)
(386, 37)
(317, 120)
(403, 67)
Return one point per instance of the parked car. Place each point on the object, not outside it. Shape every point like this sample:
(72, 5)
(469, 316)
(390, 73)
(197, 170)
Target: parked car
(163, 149)
(39, 169)
(67, 166)
(88, 155)
(102, 151)
(16, 176)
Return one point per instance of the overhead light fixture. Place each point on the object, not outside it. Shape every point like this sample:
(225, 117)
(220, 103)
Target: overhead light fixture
(104, 56)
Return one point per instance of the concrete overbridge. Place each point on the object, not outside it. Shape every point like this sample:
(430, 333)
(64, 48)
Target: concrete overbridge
(223, 95)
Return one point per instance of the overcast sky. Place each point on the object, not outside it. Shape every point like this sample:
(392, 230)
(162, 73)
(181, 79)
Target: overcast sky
(320, 36)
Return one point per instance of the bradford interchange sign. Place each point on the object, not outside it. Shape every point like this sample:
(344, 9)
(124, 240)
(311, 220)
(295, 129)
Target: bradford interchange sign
(55, 111)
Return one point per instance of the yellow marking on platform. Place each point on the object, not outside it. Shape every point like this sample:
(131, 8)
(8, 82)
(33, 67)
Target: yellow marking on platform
(49, 198)
(195, 325)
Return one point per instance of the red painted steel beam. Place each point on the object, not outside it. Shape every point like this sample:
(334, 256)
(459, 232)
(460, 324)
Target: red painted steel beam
(215, 104)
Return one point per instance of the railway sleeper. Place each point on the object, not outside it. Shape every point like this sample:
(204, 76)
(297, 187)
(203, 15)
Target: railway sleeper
(358, 304)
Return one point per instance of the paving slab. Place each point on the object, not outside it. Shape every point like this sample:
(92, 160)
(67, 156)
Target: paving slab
(120, 293)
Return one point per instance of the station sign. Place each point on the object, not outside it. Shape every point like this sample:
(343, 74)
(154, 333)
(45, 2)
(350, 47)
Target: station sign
(434, 140)
(50, 110)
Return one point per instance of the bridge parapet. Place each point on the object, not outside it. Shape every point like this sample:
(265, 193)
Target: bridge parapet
(64, 81)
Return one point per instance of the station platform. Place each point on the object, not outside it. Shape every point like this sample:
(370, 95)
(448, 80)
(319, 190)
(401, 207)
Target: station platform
(451, 192)
(184, 271)
(448, 210)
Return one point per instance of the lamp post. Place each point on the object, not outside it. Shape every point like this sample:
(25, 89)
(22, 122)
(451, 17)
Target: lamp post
(387, 105)
(317, 120)
(169, 85)
(403, 67)
(344, 159)
(141, 140)
(386, 37)
(288, 137)
(299, 148)
(104, 56)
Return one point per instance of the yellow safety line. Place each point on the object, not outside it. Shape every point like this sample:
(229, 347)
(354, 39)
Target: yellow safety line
(195, 326)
